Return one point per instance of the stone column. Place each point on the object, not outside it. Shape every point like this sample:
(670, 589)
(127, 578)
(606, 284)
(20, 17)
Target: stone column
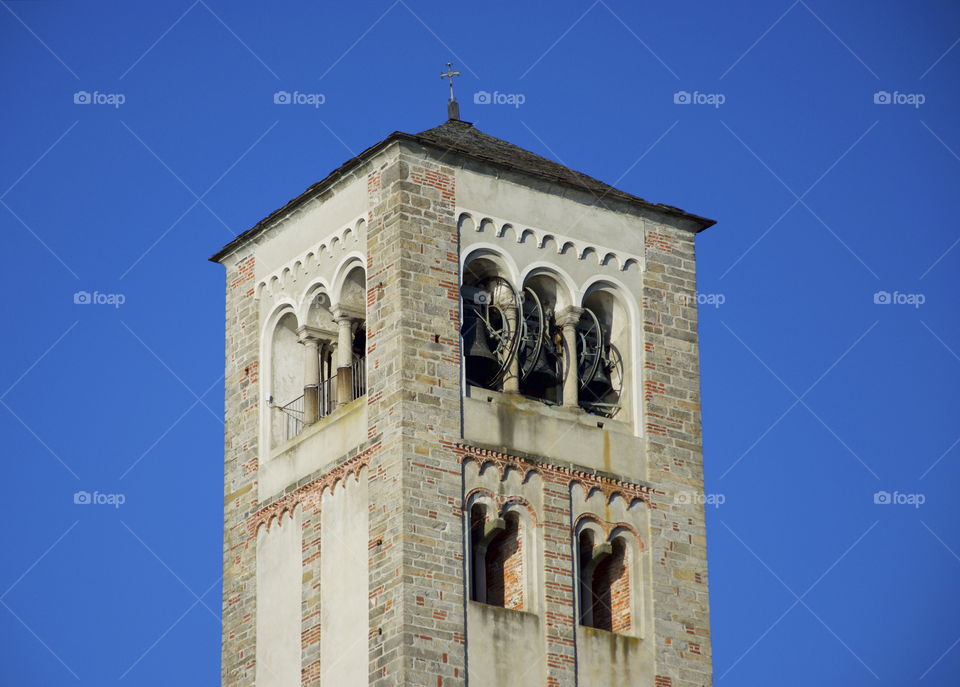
(567, 320)
(511, 382)
(312, 340)
(344, 357)
(311, 381)
(325, 375)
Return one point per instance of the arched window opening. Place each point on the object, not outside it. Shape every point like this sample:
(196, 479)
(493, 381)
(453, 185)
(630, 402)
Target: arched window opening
(318, 363)
(490, 312)
(496, 554)
(318, 337)
(602, 342)
(286, 386)
(604, 582)
(350, 315)
(540, 363)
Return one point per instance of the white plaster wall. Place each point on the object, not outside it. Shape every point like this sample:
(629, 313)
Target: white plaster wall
(279, 571)
(527, 250)
(344, 559)
(335, 248)
(309, 225)
(506, 648)
(605, 658)
(548, 211)
(517, 424)
(317, 447)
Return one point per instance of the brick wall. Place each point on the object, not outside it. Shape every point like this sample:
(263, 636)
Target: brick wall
(674, 453)
(240, 473)
(505, 568)
(612, 593)
(416, 562)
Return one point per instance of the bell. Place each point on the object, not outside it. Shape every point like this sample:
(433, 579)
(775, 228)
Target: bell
(598, 388)
(482, 364)
(543, 377)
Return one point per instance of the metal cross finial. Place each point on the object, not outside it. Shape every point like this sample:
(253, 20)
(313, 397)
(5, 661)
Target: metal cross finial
(449, 74)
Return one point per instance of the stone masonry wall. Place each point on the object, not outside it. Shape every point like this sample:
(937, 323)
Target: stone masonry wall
(416, 555)
(241, 380)
(671, 417)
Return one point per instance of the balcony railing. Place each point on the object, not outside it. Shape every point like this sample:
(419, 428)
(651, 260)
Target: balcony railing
(359, 377)
(326, 399)
(293, 414)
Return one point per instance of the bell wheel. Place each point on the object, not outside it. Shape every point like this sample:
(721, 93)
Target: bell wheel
(589, 348)
(532, 331)
(490, 339)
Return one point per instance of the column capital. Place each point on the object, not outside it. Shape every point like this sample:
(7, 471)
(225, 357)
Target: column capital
(341, 313)
(313, 335)
(568, 317)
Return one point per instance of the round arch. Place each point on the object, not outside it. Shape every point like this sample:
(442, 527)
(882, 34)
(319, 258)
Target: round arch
(558, 274)
(345, 267)
(495, 255)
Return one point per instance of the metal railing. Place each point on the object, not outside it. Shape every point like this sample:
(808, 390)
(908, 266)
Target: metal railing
(359, 368)
(293, 413)
(326, 399)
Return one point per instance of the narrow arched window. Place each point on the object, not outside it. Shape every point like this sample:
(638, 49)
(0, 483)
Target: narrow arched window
(496, 559)
(611, 590)
(604, 583)
(488, 331)
(603, 349)
(540, 345)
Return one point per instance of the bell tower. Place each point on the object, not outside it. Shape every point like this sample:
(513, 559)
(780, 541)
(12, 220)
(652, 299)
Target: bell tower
(462, 438)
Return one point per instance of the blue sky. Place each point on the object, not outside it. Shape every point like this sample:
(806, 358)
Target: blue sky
(815, 396)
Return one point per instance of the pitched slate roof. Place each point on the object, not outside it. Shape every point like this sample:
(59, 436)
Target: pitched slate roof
(460, 138)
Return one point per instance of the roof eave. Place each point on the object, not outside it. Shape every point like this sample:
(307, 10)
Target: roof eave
(313, 190)
(334, 176)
